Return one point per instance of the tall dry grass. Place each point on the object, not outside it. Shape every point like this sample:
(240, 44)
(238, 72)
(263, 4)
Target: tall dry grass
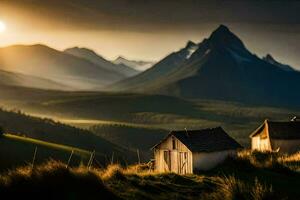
(114, 181)
(291, 161)
(271, 159)
(53, 180)
(231, 188)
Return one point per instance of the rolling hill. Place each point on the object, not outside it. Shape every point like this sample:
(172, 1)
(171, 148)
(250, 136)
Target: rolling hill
(91, 56)
(219, 68)
(18, 79)
(135, 111)
(54, 135)
(47, 63)
(21, 150)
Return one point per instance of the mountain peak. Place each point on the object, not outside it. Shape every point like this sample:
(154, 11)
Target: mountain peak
(222, 36)
(82, 49)
(190, 44)
(222, 28)
(269, 57)
(120, 58)
(222, 31)
(83, 52)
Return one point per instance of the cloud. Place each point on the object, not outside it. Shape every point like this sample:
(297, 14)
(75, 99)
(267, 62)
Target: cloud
(146, 15)
(137, 27)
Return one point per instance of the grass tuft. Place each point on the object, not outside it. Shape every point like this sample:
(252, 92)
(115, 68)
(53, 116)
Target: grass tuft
(113, 172)
(231, 188)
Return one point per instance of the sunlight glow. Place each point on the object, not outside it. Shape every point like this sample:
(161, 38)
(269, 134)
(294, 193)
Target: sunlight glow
(2, 26)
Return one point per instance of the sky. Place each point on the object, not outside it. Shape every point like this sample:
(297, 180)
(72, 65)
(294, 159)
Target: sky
(151, 29)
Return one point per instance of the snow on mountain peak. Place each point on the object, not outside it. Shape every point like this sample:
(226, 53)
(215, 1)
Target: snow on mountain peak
(191, 50)
(191, 47)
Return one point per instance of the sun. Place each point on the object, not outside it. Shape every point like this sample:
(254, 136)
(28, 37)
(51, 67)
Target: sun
(2, 26)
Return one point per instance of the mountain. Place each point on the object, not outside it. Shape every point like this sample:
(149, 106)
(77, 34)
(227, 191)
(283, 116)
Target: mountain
(219, 68)
(47, 63)
(18, 79)
(137, 65)
(153, 75)
(268, 58)
(91, 56)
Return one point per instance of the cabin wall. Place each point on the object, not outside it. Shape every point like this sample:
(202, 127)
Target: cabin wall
(286, 146)
(207, 161)
(255, 143)
(261, 141)
(260, 144)
(178, 157)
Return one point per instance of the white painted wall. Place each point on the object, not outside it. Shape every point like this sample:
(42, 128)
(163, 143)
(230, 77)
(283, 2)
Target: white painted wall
(207, 161)
(282, 146)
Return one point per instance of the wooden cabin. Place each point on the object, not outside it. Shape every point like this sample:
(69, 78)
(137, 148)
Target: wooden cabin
(183, 152)
(283, 137)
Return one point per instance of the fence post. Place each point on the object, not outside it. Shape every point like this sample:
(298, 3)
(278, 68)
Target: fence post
(33, 159)
(112, 158)
(138, 155)
(91, 159)
(69, 160)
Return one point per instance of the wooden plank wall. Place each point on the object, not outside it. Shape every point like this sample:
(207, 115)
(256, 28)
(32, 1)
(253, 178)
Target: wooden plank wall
(162, 166)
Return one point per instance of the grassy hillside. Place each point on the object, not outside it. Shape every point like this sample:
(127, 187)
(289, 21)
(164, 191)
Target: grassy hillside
(84, 109)
(160, 112)
(50, 131)
(21, 150)
(254, 176)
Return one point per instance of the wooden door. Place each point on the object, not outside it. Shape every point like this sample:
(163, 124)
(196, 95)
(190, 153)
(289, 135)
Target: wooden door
(183, 163)
(167, 161)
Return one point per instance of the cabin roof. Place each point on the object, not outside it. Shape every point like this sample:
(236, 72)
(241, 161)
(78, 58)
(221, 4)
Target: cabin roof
(284, 130)
(280, 130)
(205, 140)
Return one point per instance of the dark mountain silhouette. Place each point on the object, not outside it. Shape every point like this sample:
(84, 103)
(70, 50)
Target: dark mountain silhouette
(135, 64)
(268, 58)
(93, 57)
(219, 68)
(45, 62)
